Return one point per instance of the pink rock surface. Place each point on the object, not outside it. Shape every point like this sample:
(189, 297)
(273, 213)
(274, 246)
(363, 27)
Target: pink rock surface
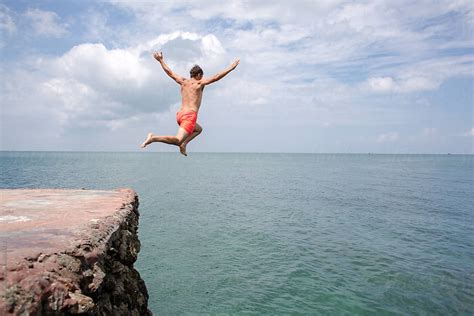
(45, 221)
(65, 252)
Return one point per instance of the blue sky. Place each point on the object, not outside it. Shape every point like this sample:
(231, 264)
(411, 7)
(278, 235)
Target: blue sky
(315, 76)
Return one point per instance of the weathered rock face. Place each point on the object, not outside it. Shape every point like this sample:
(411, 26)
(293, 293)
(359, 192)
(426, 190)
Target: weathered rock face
(92, 274)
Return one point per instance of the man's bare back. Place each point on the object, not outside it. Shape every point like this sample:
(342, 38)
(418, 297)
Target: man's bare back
(191, 93)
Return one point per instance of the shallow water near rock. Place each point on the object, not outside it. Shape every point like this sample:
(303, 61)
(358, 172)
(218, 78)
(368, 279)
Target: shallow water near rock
(287, 233)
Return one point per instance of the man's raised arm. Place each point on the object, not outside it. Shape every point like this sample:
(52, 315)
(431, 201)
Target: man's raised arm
(220, 75)
(169, 72)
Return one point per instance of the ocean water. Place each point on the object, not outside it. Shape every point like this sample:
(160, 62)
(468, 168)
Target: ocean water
(319, 234)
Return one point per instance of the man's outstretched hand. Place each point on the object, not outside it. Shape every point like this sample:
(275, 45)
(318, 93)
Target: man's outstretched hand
(235, 63)
(158, 56)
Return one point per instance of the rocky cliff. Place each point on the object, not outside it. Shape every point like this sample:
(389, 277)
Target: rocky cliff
(70, 252)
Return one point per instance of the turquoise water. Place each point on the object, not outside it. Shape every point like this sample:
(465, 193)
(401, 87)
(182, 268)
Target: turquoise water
(287, 233)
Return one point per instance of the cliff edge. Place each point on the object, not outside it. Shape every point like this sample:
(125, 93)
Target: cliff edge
(70, 252)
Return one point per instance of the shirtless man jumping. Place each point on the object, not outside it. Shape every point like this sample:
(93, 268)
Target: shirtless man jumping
(191, 92)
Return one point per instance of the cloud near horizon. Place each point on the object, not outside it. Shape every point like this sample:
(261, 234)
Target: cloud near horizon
(332, 76)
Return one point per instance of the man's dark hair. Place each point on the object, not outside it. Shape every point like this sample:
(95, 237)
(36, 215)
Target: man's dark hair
(196, 70)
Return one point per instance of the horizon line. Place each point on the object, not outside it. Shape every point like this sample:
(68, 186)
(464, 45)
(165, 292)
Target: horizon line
(236, 152)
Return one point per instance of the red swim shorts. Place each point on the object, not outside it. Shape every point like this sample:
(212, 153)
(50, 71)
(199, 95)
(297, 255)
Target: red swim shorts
(187, 120)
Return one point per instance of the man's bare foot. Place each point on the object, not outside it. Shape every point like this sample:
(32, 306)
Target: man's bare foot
(182, 150)
(147, 141)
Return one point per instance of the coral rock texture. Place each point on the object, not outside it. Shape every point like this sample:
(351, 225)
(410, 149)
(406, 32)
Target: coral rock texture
(70, 252)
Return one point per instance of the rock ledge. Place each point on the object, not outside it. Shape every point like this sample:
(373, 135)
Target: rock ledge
(75, 258)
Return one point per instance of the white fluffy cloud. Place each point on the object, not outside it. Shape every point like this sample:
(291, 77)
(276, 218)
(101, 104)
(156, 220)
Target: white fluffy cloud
(381, 84)
(409, 84)
(469, 133)
(46, 23)
(91, 85)
(388, 137)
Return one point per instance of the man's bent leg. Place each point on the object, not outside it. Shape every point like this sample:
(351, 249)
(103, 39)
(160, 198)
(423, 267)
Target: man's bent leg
(196, 132)
(172, 140)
